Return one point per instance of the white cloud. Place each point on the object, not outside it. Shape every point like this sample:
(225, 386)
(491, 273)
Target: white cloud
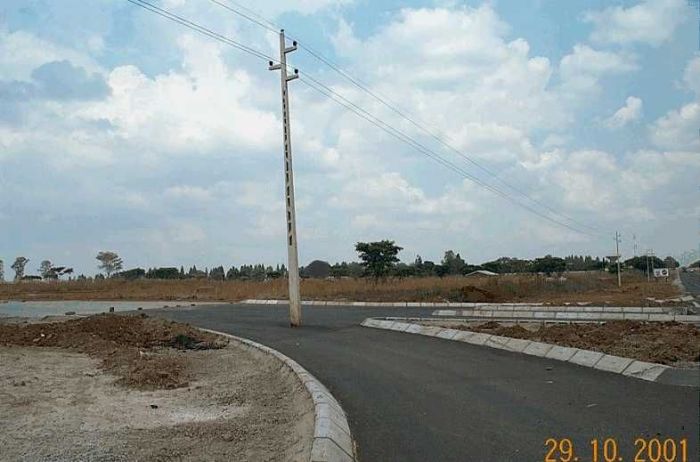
(190, 193)
(678, 129)
(582, 69)
(22, 52)
(168, 4)
(187, 233)
(205, 108)
(587, 178)
(457, 69)
(691, 75)
(306, 7)
(630, 112)
(651, 21)
(554, 140)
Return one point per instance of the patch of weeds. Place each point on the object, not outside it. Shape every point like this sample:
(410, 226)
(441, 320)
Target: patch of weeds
(185, 342)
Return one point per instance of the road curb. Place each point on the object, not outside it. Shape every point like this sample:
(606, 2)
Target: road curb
(629, 367)
(382, 304)
(503, 306)
(332, 440)
(560, 314)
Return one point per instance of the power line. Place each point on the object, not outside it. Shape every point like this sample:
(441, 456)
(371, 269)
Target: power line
(201, 29)
(332, 94)
(432, 134)
(250, 17)
(421, 125)
(328, 92)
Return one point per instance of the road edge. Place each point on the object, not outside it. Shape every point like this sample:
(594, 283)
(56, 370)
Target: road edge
(332, 440)
(629, 367)
(514, 305)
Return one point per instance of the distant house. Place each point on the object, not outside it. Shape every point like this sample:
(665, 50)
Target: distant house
(316, 269)
(481, 274)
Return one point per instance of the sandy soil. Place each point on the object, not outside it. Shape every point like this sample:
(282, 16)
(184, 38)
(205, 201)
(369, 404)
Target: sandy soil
(237, 404)
(668, 343)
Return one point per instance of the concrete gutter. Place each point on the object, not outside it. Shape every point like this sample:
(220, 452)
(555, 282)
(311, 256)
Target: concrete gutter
(587, 358)
(332, 441)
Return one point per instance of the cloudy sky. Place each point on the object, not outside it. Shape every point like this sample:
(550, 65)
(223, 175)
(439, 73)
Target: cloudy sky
(120, 130)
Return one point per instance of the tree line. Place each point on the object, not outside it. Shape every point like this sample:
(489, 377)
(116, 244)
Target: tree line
(378, 260)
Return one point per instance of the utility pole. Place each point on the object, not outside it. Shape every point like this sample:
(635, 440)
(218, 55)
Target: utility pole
(634, 238)
(292, 253)
(617, 252)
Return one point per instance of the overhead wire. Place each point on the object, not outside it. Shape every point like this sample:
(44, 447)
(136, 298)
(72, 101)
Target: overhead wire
(401, 136)
(340, 99)
(421, 125)
(201, 29)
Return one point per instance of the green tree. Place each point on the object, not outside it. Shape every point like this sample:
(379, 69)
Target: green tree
(163, 273)
(135, 273)
(110, 262)
(45, 270)
(378, 258)
(217, 273)
(453, 263)
(548, 265)
(18, 266)
(640, 263)
(232, 273)
(671, 262)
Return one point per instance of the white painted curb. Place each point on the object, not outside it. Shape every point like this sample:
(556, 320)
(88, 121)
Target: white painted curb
(332, 438)
(587, 358)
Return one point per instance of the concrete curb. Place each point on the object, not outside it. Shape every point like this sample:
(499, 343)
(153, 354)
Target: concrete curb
(587, 358)
(493, 306)
(559, 314)
(332, 441)
(382, 304)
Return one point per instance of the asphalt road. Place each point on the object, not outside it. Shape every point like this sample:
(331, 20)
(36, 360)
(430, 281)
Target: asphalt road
(691, 281)
(414, 398)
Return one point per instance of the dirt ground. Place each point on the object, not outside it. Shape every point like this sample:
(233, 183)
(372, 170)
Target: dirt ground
(668, 343)
(596, 287)
(75, 395)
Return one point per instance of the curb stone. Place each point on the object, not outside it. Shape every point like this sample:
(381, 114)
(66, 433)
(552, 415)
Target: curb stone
(629, 367)
(525, 310)
(332, 440)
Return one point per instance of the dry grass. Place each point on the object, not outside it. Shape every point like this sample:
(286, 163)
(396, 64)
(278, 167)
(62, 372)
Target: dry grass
(595, 287)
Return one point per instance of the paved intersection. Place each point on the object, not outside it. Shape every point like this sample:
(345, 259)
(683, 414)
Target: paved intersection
(414, 398)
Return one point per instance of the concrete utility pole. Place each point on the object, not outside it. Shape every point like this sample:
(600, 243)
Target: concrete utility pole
(292, 253)
(617, 252)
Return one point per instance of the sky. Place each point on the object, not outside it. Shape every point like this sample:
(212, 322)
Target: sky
(123, 131)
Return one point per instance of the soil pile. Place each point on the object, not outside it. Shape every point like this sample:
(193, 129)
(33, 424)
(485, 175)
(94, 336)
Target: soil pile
(665, 343)
(145, 353)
